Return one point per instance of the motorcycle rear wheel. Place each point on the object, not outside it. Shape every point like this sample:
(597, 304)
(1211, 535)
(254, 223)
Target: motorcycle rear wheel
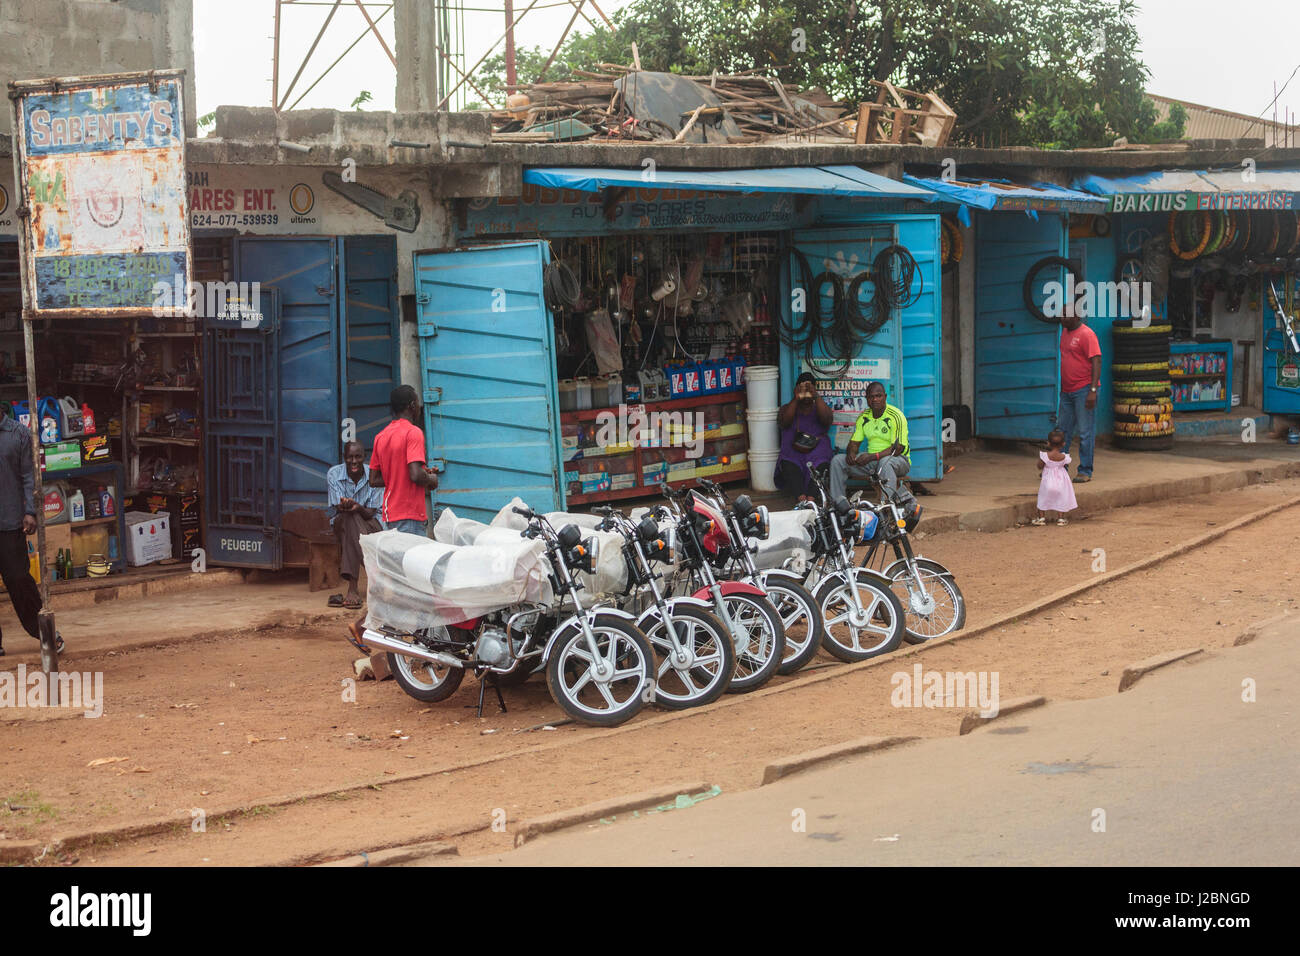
(709, 675)
(570, 672)
(885, 623)
(423, 680)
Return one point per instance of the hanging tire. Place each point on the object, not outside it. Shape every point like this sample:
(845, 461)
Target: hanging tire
(882, 621)
(1030, 284)
(580, 691)
(800, 616)
(762, 648)
(706, 676)
(1140, 387)
(940, 611)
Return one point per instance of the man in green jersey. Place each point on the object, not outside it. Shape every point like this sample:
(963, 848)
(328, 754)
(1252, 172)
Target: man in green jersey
(884, 429)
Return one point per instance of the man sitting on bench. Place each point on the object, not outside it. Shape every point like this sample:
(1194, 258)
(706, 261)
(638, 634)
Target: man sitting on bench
(353, 505)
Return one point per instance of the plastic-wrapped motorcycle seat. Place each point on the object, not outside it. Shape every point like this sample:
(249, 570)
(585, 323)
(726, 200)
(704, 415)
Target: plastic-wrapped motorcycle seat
(414, 582)
(791, 535)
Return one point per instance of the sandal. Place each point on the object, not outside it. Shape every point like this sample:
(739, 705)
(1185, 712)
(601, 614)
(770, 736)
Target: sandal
(353, 605)
(1039, 521)
(336, 600)
(1062, 522)
(355, 640)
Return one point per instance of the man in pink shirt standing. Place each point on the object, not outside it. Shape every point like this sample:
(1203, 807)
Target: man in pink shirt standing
(1080, 379)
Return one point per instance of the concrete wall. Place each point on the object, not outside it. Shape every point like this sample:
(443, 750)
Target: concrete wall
(45, 38)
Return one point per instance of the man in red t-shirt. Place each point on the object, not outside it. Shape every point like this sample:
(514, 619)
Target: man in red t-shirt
(1080, 378)
(397, 466)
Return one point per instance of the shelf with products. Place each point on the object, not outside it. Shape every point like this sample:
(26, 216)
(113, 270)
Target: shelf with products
(164, 445)
(1200, 374)
(95, 493)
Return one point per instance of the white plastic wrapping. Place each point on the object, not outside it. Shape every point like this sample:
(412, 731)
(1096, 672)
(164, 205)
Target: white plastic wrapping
(611, 570)
(790, 537)
(415, 583)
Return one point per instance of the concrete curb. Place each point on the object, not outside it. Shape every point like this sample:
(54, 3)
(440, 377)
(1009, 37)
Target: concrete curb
(788, 766)
(974, 721)
(395, 855)
(1253, 631)
(603, 808)
(1135, 672)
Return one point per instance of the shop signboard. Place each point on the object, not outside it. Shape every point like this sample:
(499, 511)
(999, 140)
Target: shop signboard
(1267, 199)
(100, 167)
(543, 211)
(844, 389)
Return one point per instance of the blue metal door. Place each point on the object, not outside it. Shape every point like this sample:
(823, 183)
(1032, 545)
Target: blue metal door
(370, 318)
(1017, 365)
(487, 368)
(312, 392)
(241, 438)
(905, 353)
(1281, 368)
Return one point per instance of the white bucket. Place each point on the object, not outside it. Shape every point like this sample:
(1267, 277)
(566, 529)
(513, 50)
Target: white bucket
(761, 383)
(764, 434)
(762, 469)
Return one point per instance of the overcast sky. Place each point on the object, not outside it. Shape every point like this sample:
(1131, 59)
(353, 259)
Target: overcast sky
(1224, 54)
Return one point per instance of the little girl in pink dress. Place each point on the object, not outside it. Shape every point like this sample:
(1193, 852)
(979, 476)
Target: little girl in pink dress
(1055, 491)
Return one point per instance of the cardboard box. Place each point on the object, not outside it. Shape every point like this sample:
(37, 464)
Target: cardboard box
(61, 456)
(94, 448)
(148, 537)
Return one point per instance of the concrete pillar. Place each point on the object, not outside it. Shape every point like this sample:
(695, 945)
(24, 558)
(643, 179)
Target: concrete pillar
(417, 61)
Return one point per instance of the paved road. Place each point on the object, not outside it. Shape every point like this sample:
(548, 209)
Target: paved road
(1184, 770)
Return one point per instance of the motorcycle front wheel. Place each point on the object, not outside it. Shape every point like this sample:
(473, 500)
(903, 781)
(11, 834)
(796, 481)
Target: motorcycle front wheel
(761, 644)
(580, 688)
(939, 611)
(712, 660)
(848, 636)
(800, 617)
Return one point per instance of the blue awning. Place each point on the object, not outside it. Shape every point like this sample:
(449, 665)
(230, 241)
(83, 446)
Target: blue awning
(847, 181)
(1166, 190)
(1004, 195)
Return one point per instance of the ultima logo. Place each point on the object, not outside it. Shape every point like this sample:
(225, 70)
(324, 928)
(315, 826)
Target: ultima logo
(75, 909)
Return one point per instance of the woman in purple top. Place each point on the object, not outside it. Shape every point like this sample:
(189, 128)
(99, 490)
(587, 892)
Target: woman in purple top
(805, 423)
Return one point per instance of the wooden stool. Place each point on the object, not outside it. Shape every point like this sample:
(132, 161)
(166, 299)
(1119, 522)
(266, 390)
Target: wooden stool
(323, 565)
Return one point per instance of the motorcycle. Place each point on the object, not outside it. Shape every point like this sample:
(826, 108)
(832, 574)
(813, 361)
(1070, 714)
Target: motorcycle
(799, 613)
(705, 544)
(599, 665)
(862, 616)
(932, 602)
(697, 659)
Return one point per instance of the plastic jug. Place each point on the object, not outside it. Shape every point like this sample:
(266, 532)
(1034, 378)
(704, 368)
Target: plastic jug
(568, 395)
(49, 413)
(583, 394)
(71, 421)
(87, 419)
(107, 506)
(77, 506)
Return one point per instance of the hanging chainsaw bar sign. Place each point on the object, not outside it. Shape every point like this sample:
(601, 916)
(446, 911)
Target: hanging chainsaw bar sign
(100, 170)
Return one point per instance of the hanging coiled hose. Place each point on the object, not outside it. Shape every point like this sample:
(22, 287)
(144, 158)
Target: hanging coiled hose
(559, 286)
(894, 269)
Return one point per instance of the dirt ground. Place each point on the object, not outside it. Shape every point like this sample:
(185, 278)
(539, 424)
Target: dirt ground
(255, 732)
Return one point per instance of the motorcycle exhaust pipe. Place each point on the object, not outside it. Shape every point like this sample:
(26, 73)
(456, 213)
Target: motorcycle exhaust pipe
(396, 646)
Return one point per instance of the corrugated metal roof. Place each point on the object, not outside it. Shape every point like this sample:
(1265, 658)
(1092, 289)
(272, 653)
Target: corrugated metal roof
(1209, 122)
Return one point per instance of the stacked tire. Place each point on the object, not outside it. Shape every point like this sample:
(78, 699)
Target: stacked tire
(1140, 386)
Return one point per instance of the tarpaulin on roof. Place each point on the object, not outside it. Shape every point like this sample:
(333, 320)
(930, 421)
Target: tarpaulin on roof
(1173, 190)
(848, 181)
(1004, 195)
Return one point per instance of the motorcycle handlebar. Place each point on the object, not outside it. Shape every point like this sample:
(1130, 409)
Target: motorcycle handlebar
(524, 512)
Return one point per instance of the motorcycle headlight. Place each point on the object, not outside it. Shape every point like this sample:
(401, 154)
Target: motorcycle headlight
(759, 523)
(569, 536)
(648, 529)
(583, 556)
(667, 551)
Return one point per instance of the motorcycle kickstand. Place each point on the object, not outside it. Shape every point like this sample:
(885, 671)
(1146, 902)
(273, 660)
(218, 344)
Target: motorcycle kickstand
(482, 690)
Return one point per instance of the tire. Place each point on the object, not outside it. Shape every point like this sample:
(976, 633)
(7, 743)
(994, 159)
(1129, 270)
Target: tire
(800, 617)
(568, 664)
(424, 681)
(1125, 329)
(1154, 443)
(1027, 289)
(922, 627)
(1140, 387)
(758, 660)
(708, 676)
(885, 615)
